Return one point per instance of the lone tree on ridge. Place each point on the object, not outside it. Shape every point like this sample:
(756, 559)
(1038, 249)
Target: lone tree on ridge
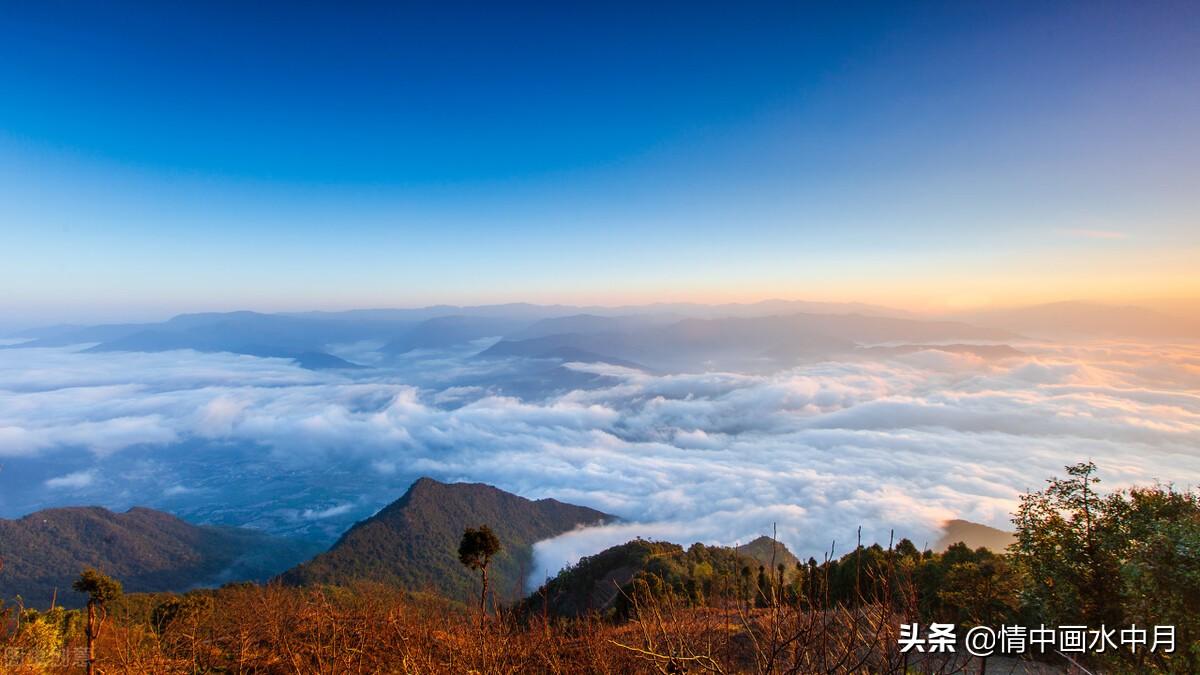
(476, 551)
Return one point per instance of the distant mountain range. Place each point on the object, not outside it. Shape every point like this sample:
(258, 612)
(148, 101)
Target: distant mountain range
(673, 339)
(447, 331)
(678, 310)
(267, 335)
(413, 542)
(44, 552)
(734, 343)
(666, 337)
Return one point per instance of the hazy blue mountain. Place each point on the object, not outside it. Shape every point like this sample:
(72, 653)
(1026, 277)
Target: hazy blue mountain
(448, 331)
(517, 310)
(564, 347)
(532, 312)
(695, 344)
(224, 331)
(281, 330)
(323, 361)
(268, 335)
(650, 337)
(244, 333)
(591, 323)
(737, 343)
(61, 336)
(44, 331)
(567, 354)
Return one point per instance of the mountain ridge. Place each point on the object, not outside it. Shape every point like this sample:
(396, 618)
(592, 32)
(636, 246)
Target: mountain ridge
(148, 550)
(412, 542)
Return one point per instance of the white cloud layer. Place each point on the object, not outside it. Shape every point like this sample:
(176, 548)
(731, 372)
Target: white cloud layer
(899, 444)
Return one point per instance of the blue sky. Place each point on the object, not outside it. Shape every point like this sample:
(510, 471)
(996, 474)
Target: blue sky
(166, 157)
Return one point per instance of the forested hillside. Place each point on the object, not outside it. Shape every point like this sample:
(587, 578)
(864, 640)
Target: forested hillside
(148, 550)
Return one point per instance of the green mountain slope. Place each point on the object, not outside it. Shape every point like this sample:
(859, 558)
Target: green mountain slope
(413, 543)
(603, 582)
(146, 550)
(761, 550)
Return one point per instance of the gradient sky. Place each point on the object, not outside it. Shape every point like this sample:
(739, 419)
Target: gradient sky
(157, 157)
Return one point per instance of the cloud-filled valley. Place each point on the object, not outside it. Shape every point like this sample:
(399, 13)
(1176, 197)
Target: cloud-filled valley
(899, 440)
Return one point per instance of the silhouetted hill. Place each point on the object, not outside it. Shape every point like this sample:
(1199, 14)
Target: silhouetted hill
(973, 535)
(413, 543)
(146, 550)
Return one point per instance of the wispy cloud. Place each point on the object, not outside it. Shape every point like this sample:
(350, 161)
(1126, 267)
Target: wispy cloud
(331, 512)
(78, 479)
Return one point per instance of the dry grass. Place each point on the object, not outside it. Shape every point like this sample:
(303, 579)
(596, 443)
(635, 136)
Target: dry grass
(377, 629)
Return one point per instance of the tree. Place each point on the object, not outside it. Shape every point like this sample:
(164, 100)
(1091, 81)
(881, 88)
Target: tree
(1160, 574)
(985, 591)
(1060, 542)
(746, 584)
(101, 590)
(762, 597)
(906, 549)
(1131, 557)
(476, 551)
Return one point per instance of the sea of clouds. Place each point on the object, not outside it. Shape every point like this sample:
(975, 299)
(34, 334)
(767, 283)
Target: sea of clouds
(890, 444)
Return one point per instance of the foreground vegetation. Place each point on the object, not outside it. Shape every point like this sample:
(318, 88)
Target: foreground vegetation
(1081, 557)
(368, 629)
